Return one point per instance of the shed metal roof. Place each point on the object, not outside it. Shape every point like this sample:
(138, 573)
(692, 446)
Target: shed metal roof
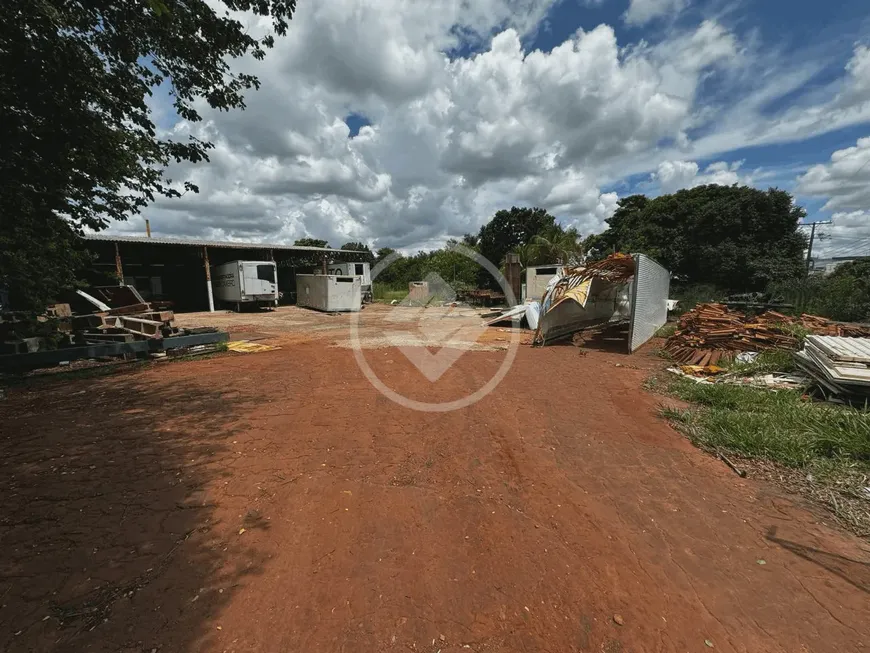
(145, 240)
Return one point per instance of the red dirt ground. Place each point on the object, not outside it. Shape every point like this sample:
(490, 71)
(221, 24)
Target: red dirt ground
(525, 522)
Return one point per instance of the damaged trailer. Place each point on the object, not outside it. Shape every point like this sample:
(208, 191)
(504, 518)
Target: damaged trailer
(621, 288)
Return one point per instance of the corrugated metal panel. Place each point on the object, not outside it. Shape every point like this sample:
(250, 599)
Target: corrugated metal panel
(145, 240)
(649, 307)
(839, 348)
(842, 372)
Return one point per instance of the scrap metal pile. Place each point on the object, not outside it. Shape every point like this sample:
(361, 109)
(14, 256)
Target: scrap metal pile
(616, 268)
(711, 333)
(576, 284)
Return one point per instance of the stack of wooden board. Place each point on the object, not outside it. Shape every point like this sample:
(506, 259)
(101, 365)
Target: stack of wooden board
(839, 366)
(121, 315)
(711, 333)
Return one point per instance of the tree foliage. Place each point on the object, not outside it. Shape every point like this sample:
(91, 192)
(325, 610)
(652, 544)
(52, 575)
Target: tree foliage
(80, 147)
(510, 230)
(842, 295)
(454, 267)
(311, 242)
(553, 245)
(366, 257)
(734, 237)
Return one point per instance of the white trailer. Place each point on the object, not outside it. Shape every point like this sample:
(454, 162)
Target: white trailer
(361, 270)
(245, 283)
(329, 292)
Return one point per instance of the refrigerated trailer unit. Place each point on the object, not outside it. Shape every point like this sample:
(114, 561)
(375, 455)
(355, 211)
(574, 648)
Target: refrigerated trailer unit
(329, 292)
(245, 283)
(361, 270)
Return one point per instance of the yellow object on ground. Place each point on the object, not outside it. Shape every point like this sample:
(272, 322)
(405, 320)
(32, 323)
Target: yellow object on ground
(247, 347)
(701, 370)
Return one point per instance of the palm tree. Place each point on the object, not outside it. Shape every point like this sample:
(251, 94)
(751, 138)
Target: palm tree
(553, 245)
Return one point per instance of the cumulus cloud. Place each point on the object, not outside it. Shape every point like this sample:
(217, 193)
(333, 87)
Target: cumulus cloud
(845, 181)
(453, 139)
(677, 175)
(849, 235)
(640, 12)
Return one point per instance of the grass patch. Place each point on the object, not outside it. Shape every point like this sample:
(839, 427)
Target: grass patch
(386, 293)
(767, 362)
(817, 449)
(666, 331)
(775, 425)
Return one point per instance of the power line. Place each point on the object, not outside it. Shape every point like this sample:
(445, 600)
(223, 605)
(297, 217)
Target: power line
(861, 244)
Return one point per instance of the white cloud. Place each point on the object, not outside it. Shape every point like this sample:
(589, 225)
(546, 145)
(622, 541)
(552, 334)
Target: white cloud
(845, 181)
(677, 175)
(452, 141)
(640, 12)
(849, 235)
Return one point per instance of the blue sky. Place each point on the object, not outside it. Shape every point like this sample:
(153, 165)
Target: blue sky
(804, 29)
(405, 124)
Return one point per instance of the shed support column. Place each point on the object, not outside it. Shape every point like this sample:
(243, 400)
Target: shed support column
(324, 264)
(208, 279)
(119, 270)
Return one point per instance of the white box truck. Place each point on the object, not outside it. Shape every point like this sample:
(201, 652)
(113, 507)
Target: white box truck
(361, 270)
(245, 283)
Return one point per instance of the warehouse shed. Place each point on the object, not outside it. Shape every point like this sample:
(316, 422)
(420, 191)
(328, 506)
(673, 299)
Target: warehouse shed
(179, 270)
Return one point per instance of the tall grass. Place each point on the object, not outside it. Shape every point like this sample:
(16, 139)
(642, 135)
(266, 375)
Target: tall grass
(383, 292)
(776, 425)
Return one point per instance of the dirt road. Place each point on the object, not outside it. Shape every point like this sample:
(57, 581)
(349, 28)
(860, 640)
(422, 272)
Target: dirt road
(277, 502)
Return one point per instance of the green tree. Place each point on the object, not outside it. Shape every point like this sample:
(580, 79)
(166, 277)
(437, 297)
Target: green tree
(842, 295)
(383, 253)
(509, 230)
(734, 237)
(357, 247)
(311, 242)
(553, 245)
(80, 147)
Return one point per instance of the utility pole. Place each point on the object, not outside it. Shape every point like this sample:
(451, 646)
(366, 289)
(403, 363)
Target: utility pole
(812, 239)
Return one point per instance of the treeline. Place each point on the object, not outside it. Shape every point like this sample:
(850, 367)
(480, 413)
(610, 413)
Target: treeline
(716, 241)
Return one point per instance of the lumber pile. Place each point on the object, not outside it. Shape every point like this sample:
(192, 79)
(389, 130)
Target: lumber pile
(95, 316)
(713, 333)
(119, 314)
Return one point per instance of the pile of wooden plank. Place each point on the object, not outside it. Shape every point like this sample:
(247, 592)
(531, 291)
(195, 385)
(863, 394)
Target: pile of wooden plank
(712, 333)
(99, 323)
(119, 314)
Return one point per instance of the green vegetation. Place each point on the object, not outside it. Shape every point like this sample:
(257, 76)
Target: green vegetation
(777, 425)
(690, 295)
(666, 331)
(819, 449)
(383, 292)
(455, 268)
(772, 360)
(843, 295)
(731, 237)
